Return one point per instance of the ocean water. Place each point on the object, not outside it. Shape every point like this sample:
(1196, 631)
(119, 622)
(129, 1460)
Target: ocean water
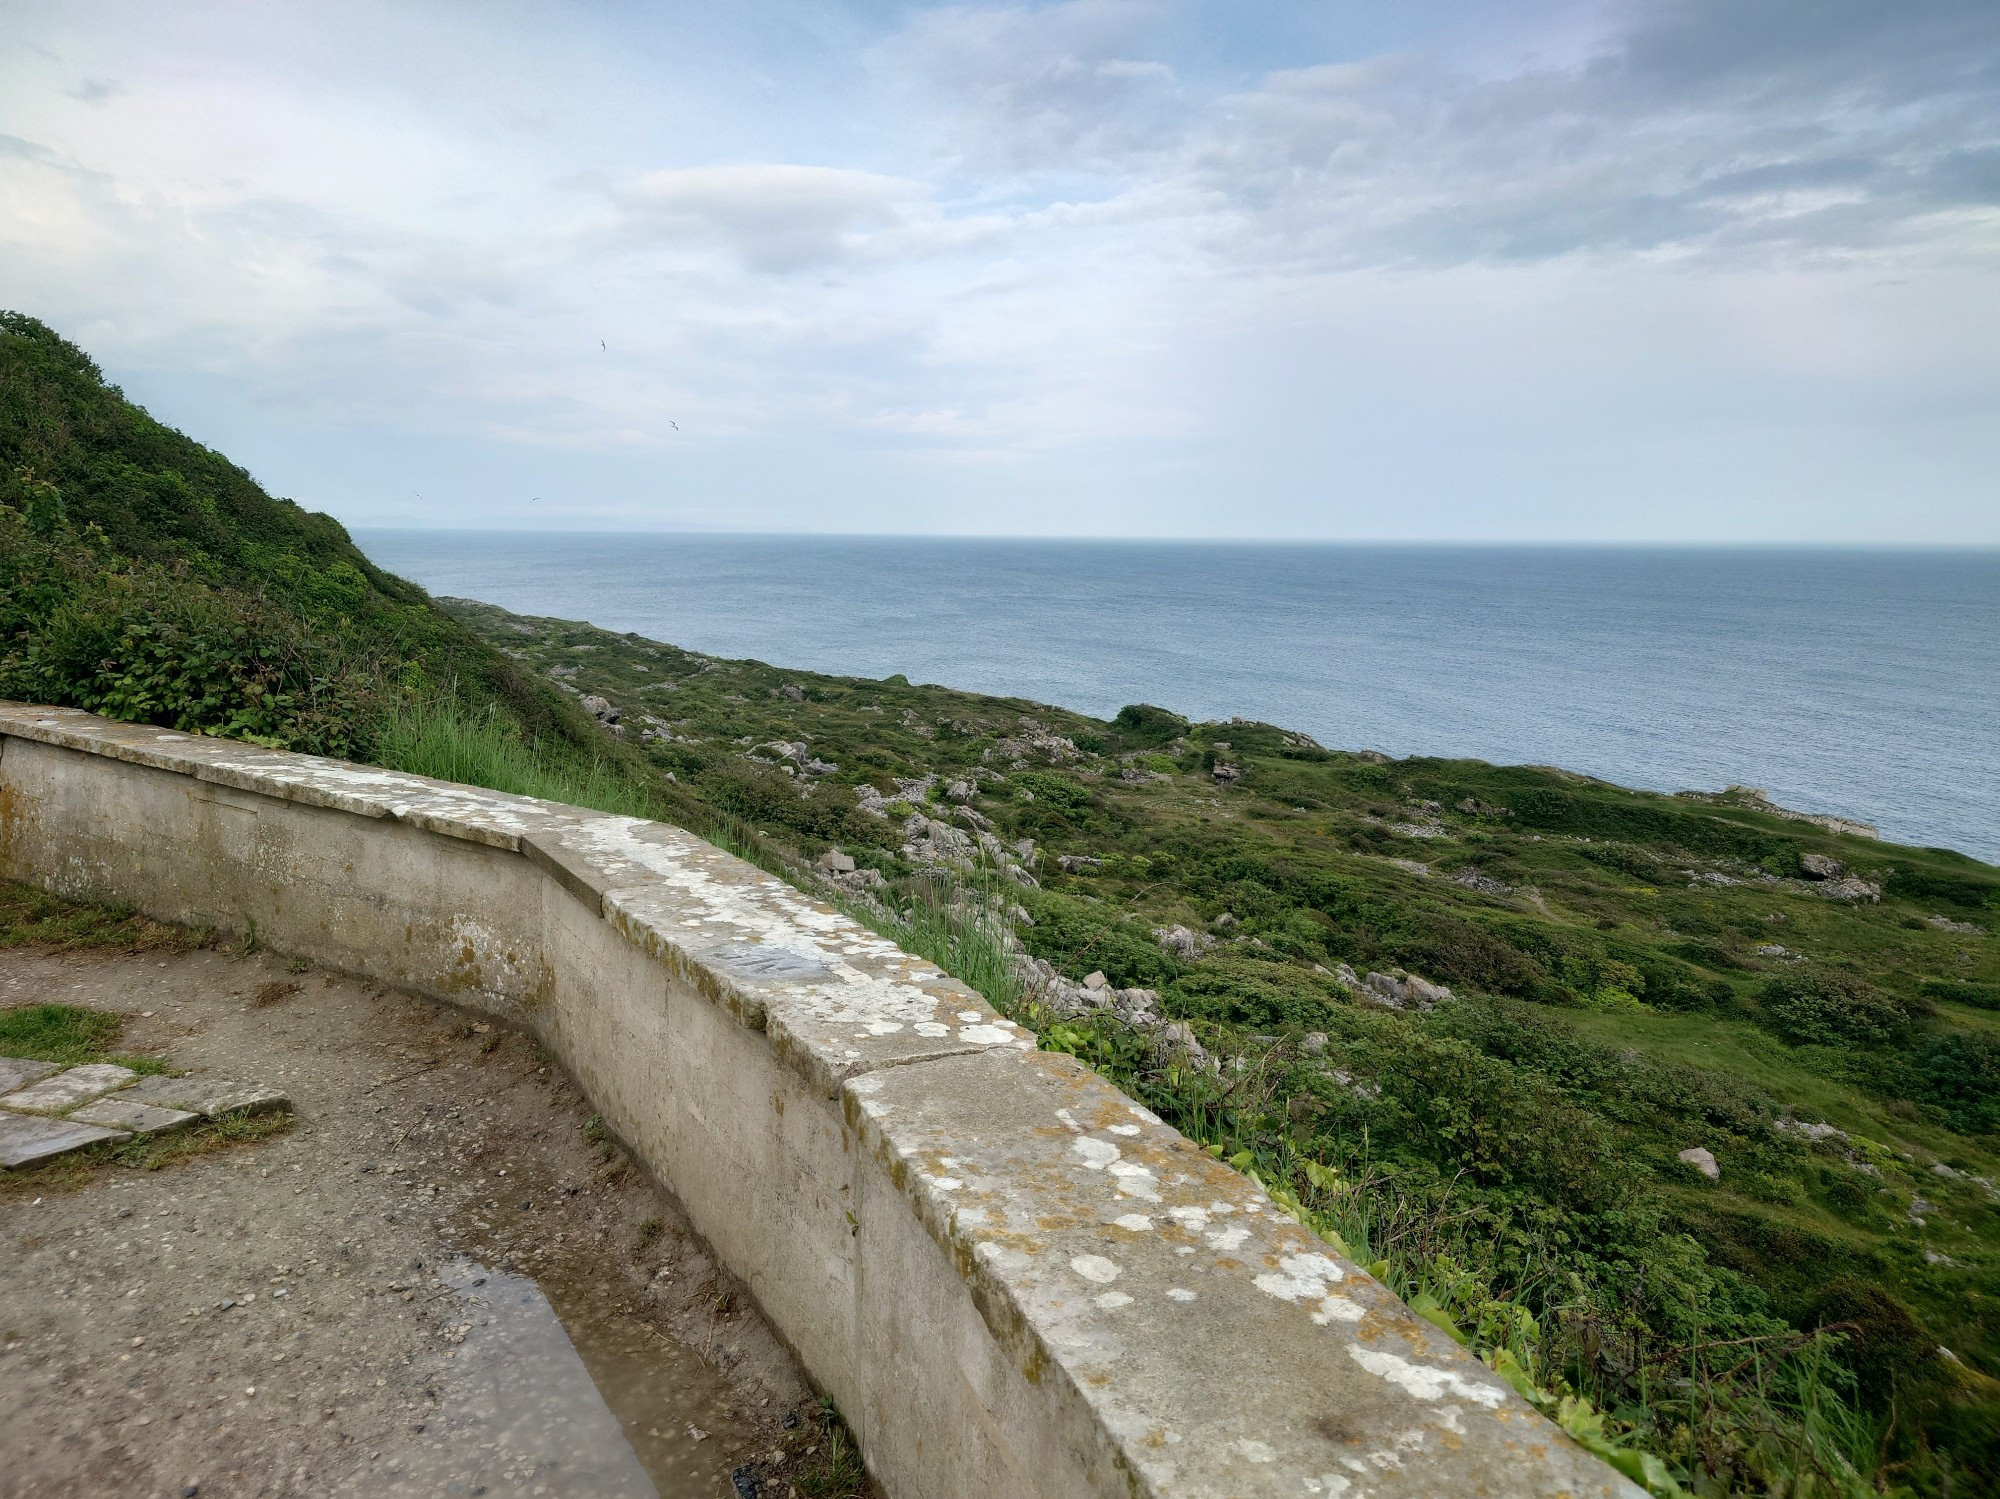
(1861, 683)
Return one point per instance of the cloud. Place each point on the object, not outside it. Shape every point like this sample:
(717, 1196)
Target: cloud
(95, 90)
(770, 216)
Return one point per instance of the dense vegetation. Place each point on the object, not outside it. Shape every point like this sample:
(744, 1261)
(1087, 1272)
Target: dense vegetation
(1632, 975)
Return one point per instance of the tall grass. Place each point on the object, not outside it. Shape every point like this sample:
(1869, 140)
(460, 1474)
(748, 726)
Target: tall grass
(438, 737)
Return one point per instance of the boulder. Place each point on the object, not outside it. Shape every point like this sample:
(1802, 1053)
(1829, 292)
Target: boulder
(960, 791)
(1177, 941)
(1821, 867)
(833, 861)
(1095, 980)
(1314, 1042)
(1702, 1161)
(599, 709)
(1226, 775)
(791, 692)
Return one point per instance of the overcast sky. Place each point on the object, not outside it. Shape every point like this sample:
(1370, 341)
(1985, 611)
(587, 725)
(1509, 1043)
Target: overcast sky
(1627, 269)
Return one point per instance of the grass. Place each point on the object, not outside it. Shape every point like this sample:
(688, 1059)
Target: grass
(68, 1036)
(34, 918)
(438, 737)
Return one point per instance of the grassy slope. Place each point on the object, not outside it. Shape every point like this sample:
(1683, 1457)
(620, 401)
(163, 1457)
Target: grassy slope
(1614, 1002)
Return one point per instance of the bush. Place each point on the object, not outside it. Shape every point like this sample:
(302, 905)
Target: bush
(1959, 1076)
(1817, 1005)
(1142, 726)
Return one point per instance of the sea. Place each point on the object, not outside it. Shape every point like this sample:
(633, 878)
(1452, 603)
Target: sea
(1860, 683)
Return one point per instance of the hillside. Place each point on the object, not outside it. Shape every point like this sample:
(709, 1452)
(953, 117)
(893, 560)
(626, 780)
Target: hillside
(1632, 976)
(1469, 1021)
(146, 577)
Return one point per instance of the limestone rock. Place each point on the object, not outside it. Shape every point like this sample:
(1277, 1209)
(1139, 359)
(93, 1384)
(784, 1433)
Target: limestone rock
(1821, 867)
(833, 861)
(1178, 941)
(1702, 1161)
(599, 708)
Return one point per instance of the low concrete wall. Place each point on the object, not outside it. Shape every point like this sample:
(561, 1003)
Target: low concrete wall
(1013, 1279)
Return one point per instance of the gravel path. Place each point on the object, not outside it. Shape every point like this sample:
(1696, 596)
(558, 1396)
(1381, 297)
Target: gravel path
(356, 1305)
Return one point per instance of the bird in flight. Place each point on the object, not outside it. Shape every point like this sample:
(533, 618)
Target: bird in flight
(674, 424)
(604, 346)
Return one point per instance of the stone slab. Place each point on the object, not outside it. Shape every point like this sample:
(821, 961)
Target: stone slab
(65, 1090)
(119, 1112)
(18, 1072)
(28, 1138)
(208, 1096)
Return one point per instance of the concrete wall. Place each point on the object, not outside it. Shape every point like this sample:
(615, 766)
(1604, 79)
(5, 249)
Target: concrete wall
(1013, 1279)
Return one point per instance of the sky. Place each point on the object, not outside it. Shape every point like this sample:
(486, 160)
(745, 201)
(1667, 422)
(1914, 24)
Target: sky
(1447, 270)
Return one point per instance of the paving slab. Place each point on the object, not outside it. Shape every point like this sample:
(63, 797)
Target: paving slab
(18, 1072)
(206, 1095)
(27, 1138)
(65, 1090)
(119, 1112)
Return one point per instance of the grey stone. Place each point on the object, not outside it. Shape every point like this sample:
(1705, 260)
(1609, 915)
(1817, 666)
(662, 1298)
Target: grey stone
(206, 1095)
(65, 1090)
(1095, 980)
(791, 692)
(1702, 1161)
(1821, 867)
(18, 1072)
(27, 1138)
(119, 1112)
(833, 861)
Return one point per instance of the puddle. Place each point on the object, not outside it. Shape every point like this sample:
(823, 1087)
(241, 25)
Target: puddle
(519, 1408)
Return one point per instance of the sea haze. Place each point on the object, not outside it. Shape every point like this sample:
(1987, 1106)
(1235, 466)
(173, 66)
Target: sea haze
(1860, 683)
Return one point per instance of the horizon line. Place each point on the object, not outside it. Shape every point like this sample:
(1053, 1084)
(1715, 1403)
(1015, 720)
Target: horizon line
(1651, 543)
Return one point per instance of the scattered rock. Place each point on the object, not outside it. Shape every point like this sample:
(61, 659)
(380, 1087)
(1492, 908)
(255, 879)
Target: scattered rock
(1851, 888)
(1078, 863)
(1179, 942)
(1946, 924)
(1314, 1042)
(960, 791)
(791, 692)
(1821, 867)
(599, 708)
(1702, 1161)
(1226, 775)
(833, 861)
(1095, 980)
(1485, 884)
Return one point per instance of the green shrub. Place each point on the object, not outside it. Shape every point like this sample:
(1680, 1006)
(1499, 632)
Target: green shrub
(1961, 992)
(1818, 1005)
(1959, 1075)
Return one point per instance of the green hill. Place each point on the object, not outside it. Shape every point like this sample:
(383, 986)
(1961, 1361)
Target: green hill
(1631, 977)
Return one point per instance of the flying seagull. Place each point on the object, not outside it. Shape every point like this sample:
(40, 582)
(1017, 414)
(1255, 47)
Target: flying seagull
(604, 346)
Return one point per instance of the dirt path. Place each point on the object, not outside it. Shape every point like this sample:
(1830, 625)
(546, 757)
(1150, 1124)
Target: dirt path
(354, 1305)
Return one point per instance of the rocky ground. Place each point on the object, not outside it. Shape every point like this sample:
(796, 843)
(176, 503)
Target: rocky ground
(355, 1304)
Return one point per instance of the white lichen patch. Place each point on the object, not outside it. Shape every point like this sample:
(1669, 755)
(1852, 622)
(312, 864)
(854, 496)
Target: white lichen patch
(1425, 1381)
(1193, 1219)
(1110, 1301)
(1095, 1154)
(1179, 1293)
(1137, 1223)
(1123, 1129)
(1338, 1309)
(1227, 1240)
(1135, 1180)
(1255, 1451)
(1095, 1267)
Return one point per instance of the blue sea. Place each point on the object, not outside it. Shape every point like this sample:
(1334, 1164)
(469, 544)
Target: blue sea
(1861, 683)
